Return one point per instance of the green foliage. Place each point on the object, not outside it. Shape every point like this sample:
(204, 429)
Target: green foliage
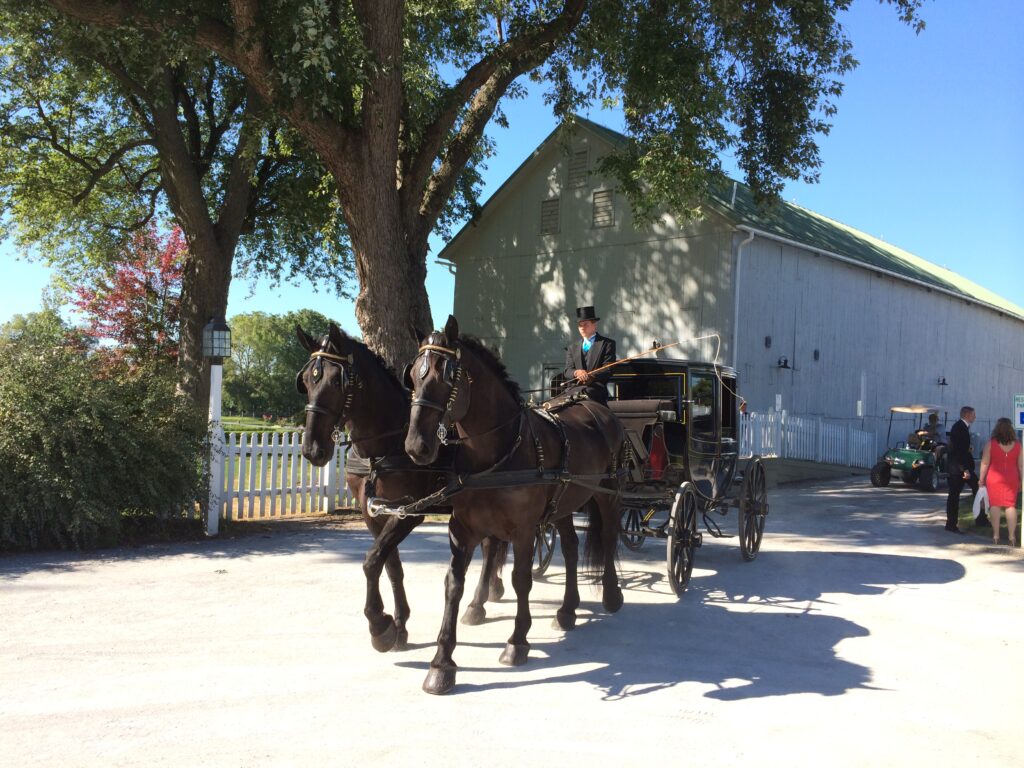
(90, 448)
(265, 357)
(85, 161)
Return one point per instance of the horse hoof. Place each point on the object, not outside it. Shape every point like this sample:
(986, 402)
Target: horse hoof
(402, 643)
(515, 655)
(497, 592)
(385, 641)
(474, 615)
(564, 620)
(439, 680)
(612, 600)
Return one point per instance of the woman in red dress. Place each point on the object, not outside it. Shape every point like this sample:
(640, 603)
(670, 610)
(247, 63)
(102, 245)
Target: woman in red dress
(1001, 466)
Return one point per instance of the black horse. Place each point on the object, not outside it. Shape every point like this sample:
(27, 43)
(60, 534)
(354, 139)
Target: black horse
(512, 459)
(349, 386)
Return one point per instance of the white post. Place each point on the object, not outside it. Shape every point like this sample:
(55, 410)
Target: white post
(216, 452)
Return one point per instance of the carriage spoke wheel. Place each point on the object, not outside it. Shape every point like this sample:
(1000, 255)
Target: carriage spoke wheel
(543, 548)
(683, 538)
(632, 529)
(753, 508)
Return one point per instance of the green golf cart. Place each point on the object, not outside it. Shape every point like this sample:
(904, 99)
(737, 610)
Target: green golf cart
(920, 460)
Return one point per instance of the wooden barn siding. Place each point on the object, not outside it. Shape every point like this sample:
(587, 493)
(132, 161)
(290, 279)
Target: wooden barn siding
(900, 336)
(518, 289)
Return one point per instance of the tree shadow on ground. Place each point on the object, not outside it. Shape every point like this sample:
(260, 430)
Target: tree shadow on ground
(748, 630)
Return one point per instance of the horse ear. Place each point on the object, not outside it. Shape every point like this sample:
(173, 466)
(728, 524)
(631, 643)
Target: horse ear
(451, 329)
(334, 333)
(307, 341)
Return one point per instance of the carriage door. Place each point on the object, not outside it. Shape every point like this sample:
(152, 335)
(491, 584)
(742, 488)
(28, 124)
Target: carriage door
(704, 432)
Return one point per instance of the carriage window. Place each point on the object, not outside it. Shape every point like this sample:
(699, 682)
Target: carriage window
(702, 405)
(729, 407)
(641, 387)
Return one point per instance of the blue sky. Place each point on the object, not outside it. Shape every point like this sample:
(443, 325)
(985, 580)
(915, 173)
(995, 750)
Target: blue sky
(926, 152)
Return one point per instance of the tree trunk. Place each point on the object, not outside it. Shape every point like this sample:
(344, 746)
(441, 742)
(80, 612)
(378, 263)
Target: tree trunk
(392, 297)
(204, 294)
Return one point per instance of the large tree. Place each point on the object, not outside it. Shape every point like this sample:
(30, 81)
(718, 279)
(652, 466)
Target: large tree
(107, 132)
(394, 97)
(266, 355)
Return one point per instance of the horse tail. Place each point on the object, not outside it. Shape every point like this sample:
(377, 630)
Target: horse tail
(597, 536)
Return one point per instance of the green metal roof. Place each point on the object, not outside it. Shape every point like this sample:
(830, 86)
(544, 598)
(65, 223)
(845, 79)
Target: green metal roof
(816, 232)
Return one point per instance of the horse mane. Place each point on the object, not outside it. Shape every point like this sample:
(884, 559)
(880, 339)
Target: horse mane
(387, 370)
(490, 358)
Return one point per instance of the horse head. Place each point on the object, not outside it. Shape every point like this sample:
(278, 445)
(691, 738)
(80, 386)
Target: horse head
(438, 402)
(328, 381)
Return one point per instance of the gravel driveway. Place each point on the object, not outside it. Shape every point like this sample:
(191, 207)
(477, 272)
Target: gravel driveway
(862, 634)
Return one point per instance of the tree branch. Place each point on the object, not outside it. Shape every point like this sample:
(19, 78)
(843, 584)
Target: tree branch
(482, 87)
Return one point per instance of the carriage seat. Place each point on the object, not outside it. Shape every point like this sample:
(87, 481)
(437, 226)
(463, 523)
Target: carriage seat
(638, 418)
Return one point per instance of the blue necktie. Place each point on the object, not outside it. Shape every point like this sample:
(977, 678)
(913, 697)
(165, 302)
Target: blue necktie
(586, 346)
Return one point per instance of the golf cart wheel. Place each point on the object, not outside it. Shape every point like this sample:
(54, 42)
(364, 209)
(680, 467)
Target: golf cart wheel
(881, 474)
(928, 479)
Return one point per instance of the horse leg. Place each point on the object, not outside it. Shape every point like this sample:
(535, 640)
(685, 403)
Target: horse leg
(441, 676)
(517, 649)
(475, 611)
(497, 587)
(384, 634)
(611, 522)
(396, 575)
(565, 619)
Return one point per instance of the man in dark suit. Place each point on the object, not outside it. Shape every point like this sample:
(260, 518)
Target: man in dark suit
(593, 351)
(960, 465)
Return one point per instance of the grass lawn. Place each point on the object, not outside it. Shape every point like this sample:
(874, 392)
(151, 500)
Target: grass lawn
(967, 524)
(248, 424)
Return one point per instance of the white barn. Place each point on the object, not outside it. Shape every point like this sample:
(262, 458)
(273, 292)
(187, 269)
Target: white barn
(817, 317)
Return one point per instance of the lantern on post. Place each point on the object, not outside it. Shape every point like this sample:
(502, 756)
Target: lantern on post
(216, 346)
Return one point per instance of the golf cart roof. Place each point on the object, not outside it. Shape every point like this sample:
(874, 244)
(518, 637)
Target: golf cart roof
(915, 408)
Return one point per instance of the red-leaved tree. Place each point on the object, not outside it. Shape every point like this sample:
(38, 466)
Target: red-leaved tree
(136, 304)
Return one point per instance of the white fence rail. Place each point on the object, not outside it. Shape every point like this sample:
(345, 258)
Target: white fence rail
(265, 476)
(810, 438)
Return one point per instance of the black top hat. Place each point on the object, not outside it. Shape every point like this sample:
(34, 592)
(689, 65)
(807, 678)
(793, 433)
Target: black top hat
(586, 313)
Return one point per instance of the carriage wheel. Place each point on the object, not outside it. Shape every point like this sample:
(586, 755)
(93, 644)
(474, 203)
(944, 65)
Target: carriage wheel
(543, 548)
(683, 538)
(632, 534)
(753, 508)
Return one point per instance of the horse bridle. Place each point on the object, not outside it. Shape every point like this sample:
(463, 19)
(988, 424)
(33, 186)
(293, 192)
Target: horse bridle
(349, 382)
(451, 374)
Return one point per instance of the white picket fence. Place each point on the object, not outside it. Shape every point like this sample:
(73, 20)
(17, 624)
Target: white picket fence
(810, 438)
(265, 476)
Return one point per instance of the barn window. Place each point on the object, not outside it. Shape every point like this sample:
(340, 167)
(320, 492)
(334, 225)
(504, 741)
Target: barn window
(549, 217)
(578, 169)
(604, 208)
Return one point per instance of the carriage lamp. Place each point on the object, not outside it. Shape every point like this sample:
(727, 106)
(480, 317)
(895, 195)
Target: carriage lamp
(783, 362)
(216, 340)
(942, 381)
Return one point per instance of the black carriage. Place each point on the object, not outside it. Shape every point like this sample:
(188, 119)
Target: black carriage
(682, 422)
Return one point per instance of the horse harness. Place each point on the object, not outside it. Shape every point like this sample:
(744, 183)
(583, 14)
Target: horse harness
(491, 478)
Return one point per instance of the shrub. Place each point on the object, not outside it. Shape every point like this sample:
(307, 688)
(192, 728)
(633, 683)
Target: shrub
(89, 447)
